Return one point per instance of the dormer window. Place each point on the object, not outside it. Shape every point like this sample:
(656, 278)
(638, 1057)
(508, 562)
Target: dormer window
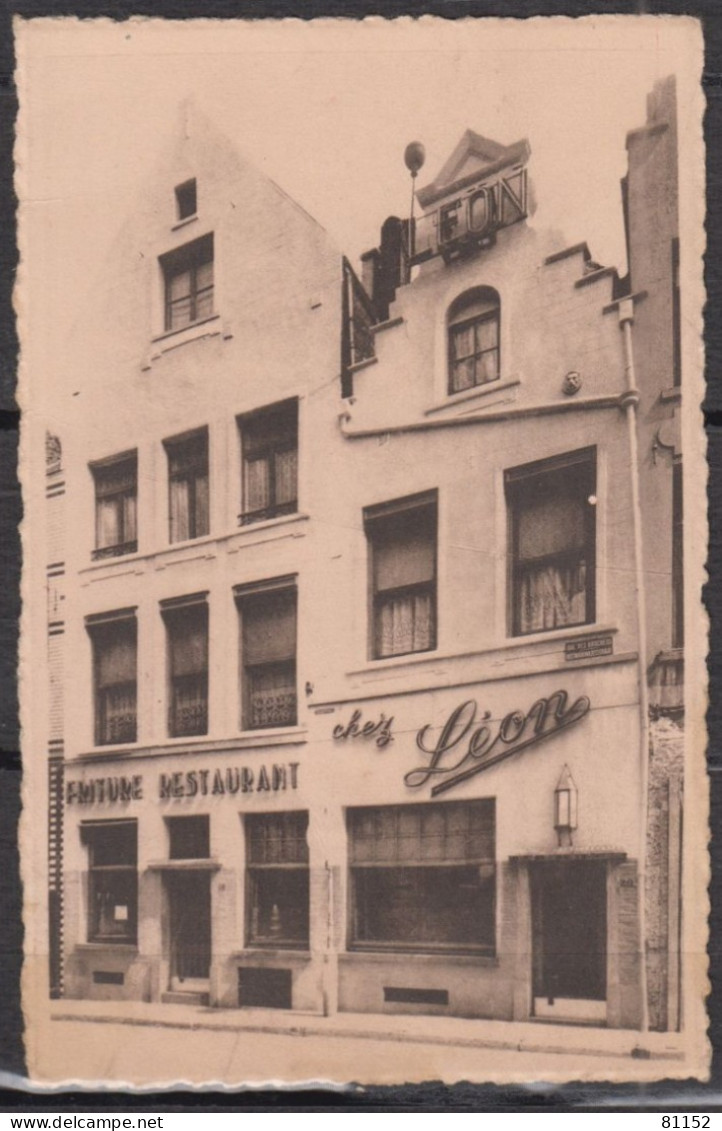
(186, 199)
(188, 279)
(473, 329)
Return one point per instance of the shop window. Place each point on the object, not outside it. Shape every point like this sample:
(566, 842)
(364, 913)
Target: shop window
(115, 676)
(269, 442)
(186, 621)
(188, 495)
(112, 880)
(423, 877)
(278, 888)
(188, 282)
(473, 335)
(116, 501)
(186, 200)
(552, 524)
(402, 542)
(189, 837)
(268, 653)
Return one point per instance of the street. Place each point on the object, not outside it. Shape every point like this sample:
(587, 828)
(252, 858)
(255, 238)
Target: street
(144, 1054)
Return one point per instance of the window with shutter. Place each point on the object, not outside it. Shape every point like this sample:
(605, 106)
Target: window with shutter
(116, 500)
(269, 442)
(268, 655)
(188, 491)
(402, 541)
(552, 523)
(115, 661)
(187, 633)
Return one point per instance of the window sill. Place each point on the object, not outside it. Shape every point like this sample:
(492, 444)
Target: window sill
(184, 222)
(246, 740)
(473, 394)
(268, 524)
(126, 947)
(417, 958)
(374, 667)
(212, 326)
(270, 955)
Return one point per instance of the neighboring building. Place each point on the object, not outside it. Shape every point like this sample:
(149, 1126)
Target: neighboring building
(359, 708)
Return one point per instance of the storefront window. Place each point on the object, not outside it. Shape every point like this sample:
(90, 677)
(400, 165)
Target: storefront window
(423, 877)
(278, 889)
(112, 880)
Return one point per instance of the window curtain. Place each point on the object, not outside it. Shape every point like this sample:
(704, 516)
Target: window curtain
(180, 512)
(202, 506)
(108, 526)
(130, 512)
(116, 655)
(189, 641)
(552, 565)
(405, 624)
(286, 471)
(258, 485)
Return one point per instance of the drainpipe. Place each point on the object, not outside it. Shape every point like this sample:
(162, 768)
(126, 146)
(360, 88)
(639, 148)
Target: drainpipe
(630, 403)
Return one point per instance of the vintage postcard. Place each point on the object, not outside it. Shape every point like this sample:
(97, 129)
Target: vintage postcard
(363, 661)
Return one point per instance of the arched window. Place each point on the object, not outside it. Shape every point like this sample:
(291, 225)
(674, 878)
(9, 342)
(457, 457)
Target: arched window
(473, 327)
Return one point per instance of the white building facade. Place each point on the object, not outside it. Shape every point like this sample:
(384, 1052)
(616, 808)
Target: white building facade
(349, 662)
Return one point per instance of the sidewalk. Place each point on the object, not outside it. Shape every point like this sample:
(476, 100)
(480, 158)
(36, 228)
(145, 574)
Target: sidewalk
(523, 1036)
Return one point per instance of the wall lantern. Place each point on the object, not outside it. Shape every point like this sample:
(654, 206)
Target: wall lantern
(565, 808)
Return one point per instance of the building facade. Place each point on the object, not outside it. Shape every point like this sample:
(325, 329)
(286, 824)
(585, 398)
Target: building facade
(365, 710)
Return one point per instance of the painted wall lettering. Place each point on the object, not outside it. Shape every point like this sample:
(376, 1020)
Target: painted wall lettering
(231, 780)
(378, 729)
(467, 746)
(102, 790)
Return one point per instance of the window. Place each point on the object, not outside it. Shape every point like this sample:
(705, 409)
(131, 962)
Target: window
(552, 531)
(186, 199)
(188, 279)
(115, 676)
(402, 541)
(423, 876)
(278, 890)
(269, 441)
(186, 621)
(268, 653)
(473, 328)
(188, 497)
(116, 499)
(189, 837)
(112, 880)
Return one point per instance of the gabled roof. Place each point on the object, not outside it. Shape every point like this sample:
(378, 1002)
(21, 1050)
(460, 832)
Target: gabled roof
(474, 157)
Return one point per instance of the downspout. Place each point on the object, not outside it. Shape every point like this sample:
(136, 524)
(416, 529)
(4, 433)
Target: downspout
(630, 403)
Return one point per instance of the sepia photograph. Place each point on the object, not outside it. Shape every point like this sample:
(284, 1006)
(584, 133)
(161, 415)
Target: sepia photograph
(363, 678)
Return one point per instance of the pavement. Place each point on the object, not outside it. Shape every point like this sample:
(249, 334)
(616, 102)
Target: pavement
(521, 1036)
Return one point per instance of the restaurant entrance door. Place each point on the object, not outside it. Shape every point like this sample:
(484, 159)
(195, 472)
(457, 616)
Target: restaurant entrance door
(569, 943)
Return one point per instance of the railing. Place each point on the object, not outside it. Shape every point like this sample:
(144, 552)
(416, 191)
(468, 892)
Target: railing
(116, 551)
(666, 683)
(277, 510)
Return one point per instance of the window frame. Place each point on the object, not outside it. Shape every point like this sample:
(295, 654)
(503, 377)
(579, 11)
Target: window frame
(583, 463)
(90, 832)
(268, 449)
(458, 319)
(377, 517)
(118, 496)
(189, 258)
(196, 464)
(356, 868)
(260, 593)
(256, 871)
(173, 612)
(100, 628)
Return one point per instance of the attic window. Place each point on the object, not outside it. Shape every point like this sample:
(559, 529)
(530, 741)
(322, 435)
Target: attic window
(186, 199)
